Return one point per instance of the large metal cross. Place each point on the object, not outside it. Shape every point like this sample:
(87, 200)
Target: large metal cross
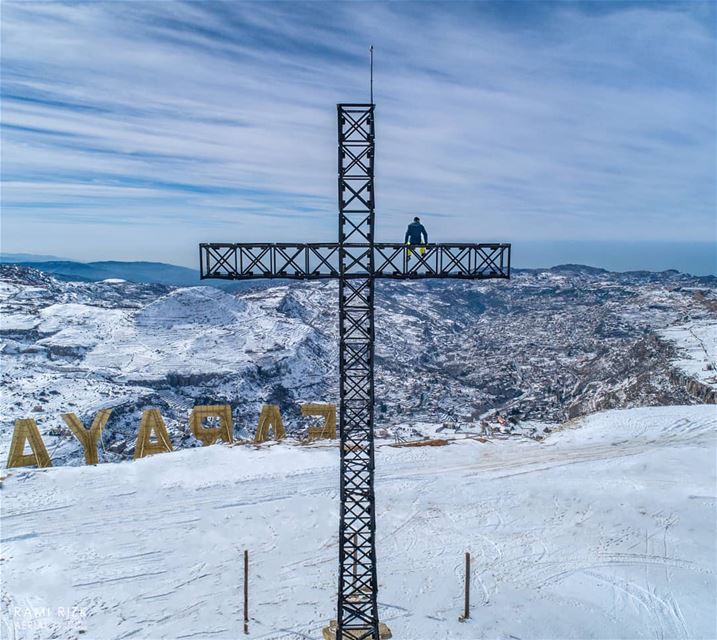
(357, 261)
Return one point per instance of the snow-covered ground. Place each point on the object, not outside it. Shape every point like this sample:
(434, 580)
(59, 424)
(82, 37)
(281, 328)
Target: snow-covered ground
(697, 343)
(606, 530)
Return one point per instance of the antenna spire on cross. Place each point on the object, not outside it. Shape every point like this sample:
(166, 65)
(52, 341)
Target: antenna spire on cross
(371, 56)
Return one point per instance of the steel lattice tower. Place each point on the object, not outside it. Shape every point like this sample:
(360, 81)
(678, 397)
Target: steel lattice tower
(357, 608)
(356, 261)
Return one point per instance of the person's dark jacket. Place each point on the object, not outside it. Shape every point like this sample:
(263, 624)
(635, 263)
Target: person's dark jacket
(414, 232)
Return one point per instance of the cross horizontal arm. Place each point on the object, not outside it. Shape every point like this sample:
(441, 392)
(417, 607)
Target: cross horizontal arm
(313, 261)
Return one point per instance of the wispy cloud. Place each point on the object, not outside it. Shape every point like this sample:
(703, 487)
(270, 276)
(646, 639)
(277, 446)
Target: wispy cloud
(136, 130)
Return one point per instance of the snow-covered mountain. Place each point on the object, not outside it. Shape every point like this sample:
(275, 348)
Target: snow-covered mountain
(548, 345)
(154, 272)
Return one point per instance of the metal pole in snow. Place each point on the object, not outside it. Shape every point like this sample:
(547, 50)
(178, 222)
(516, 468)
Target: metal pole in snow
(246, 591)
(467, 593)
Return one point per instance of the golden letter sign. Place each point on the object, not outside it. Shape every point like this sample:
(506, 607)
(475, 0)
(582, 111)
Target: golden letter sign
(88, 437)
(26, 431)
(153, 436)
(209, 435)
(328, 411)
(269, 417)
(152, 422)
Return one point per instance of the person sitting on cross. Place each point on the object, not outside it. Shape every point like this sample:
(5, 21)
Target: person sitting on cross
(416, 234)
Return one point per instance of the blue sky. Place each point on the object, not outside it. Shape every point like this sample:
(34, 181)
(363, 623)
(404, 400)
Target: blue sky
(135, 130)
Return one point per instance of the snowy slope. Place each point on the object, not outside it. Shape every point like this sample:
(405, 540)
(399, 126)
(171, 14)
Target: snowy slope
(601, 531)
(81, 347)
(697, 345)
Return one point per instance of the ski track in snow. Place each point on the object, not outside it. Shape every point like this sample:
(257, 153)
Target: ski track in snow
(697, 344)
(604, 531)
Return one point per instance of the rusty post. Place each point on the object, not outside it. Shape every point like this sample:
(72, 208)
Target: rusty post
(467, 595)
(246, 591)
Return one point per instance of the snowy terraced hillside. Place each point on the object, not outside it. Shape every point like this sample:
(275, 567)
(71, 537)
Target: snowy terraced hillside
(546, 346)
(603, 530)
(697, 345)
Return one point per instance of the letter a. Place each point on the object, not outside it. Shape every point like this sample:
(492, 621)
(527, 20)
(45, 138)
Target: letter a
(88, 437)
(270, 417)
(151, 422)
(26, 431)
(209, 435)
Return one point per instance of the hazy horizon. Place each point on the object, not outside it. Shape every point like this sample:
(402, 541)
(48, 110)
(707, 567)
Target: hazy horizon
(695, 258)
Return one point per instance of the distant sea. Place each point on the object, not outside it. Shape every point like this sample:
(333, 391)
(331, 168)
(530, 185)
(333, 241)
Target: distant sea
(697, 258)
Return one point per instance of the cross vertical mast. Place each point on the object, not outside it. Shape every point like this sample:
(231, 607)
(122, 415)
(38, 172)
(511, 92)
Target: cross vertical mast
(357, 604)
(356, 261)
